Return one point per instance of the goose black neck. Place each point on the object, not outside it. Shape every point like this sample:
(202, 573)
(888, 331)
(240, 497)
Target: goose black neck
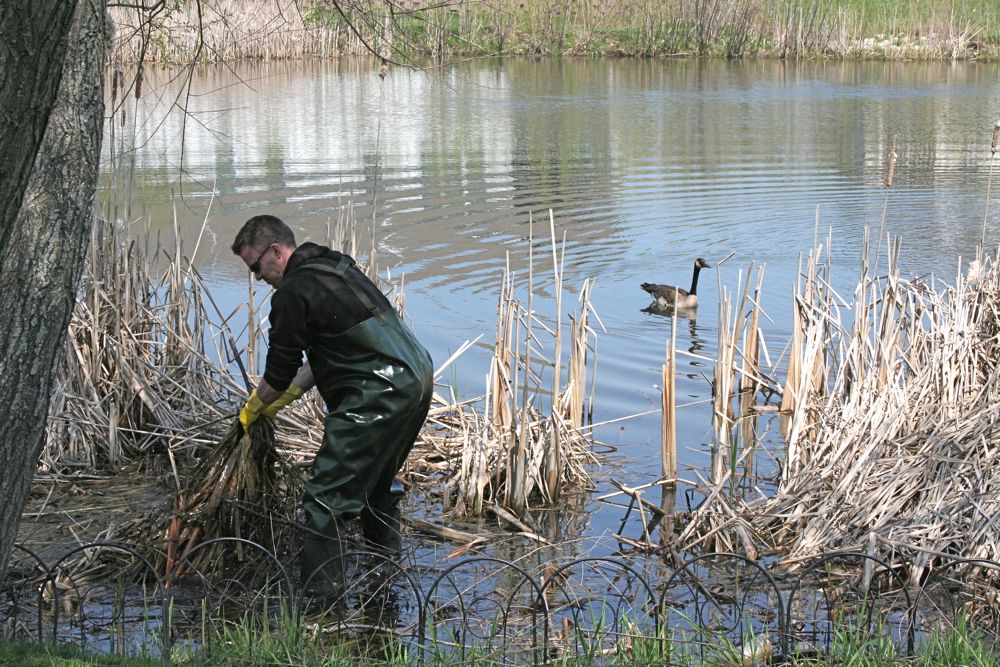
(694, 280)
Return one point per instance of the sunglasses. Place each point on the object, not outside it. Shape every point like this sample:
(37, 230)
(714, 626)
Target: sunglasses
(255, 267)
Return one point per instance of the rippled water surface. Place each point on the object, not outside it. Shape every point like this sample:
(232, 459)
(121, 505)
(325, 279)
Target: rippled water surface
(644, 165)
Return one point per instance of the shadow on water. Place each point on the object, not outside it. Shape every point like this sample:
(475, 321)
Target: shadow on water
(690, 314)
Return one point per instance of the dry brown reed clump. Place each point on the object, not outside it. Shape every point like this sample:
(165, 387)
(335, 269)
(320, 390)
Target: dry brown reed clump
(518, 450)
(140, 376)
(892, 426)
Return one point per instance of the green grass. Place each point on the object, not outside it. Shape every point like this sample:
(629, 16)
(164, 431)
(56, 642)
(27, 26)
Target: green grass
(43, 655)
(893, 15)
(737, 29)
(250, 643)
(960, 644)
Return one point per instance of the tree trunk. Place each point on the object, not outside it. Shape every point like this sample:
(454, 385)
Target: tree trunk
(43, 254)
(33, 38)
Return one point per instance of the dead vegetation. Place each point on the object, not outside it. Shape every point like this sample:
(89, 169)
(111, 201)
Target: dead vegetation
(531, 438)
(227, 30)
(891, 424)
(150, 382)
(243, 489)
(889, 407)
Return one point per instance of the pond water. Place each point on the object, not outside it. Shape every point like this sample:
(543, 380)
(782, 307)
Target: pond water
(645, 165)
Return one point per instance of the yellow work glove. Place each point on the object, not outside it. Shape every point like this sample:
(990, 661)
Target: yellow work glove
(292, 393)
(251, 411)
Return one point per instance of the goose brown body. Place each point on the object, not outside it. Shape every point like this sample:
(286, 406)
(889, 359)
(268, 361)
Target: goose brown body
(670, 296)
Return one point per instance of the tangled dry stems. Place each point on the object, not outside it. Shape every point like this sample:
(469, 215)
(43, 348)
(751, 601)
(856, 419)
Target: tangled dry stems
(892, 425)
(891, 417)
(149, 381)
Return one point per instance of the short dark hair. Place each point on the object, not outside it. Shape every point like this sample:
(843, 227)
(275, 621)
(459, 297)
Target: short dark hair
(262, 229)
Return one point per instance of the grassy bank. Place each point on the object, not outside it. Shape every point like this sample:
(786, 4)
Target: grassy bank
(260, 29)
(25, 654)
(957, 646)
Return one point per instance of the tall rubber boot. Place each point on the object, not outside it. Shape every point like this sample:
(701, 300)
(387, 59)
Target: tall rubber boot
(323, 568)
(381, 523)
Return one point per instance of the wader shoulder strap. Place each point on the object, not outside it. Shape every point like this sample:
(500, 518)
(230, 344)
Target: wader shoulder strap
(340, 270)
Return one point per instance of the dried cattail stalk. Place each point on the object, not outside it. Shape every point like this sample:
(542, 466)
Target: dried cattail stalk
(116, 80)
(553, 456)
(891, 170)
(668, 423)
(499, 388)
(572, 396)
(722, 385)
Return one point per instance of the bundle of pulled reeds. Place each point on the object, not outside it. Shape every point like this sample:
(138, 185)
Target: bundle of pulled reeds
(241, 489)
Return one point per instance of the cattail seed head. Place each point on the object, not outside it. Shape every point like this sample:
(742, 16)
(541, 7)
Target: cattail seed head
(138, 82)
(892, 169)
(996, 137)
(383, 69)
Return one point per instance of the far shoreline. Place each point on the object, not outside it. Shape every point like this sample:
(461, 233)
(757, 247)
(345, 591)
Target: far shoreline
(227, 31)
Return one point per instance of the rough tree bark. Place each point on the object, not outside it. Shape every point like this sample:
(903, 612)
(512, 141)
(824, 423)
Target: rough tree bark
(41, 254)
(33, 38)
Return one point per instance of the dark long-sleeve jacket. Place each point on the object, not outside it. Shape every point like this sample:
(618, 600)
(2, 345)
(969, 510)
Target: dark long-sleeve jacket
(309, 303)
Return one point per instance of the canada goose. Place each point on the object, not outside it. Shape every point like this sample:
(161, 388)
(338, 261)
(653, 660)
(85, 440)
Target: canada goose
(668, 296)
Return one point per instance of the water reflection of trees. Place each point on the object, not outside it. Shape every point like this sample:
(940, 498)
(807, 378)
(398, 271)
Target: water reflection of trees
(626, 153)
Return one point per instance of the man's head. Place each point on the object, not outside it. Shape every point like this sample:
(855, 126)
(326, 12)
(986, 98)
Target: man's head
(264, 244)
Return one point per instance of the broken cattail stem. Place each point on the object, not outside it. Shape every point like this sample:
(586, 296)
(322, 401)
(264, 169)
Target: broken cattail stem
(553, 456)
(669, 416)
(892, 168)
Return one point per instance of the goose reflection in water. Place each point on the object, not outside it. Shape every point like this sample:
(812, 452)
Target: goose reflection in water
(688, 314)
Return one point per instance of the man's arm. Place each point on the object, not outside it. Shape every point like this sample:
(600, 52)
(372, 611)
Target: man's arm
(301, 383)
(285, 376)
(266, 393)
(304, 379)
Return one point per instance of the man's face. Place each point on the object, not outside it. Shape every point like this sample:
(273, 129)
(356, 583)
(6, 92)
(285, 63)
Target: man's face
(265, 262)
